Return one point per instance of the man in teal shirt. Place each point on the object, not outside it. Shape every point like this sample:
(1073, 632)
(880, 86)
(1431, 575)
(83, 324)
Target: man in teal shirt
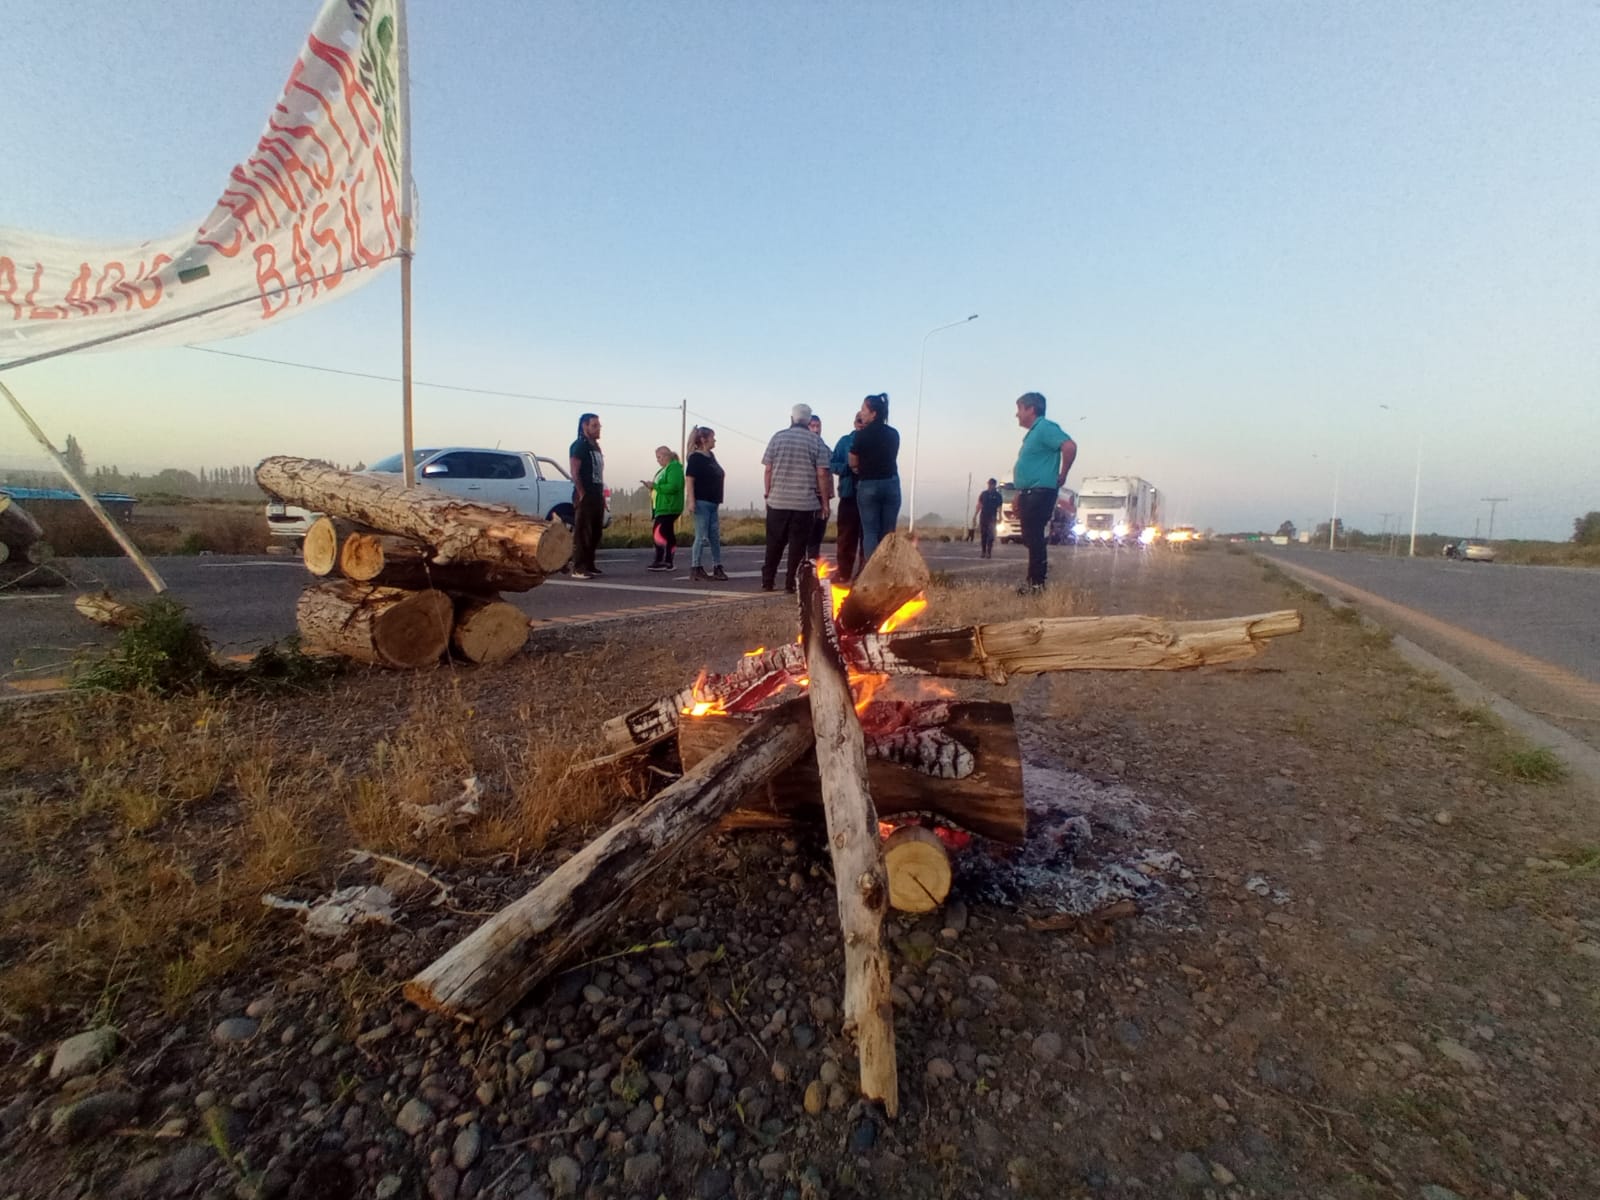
(1042, 464)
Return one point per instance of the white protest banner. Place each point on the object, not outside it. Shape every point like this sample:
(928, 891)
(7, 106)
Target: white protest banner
(313, 213)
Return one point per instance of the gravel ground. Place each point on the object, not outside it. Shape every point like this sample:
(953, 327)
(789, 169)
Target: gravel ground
(1365, 963)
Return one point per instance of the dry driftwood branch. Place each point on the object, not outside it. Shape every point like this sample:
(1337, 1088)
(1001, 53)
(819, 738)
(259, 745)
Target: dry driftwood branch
(103, 609)
(457, 531)
(994, 652)
(484, 975)
(1131, 643)
(862, 887)
(894, 574)
(986, 801)
(384, 626)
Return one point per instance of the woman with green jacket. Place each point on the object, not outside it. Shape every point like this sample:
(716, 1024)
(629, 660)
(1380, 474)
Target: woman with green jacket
(666, 503)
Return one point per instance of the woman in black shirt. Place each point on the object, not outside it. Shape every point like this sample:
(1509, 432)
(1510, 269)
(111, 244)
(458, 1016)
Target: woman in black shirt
(875, 459)
(703, 479)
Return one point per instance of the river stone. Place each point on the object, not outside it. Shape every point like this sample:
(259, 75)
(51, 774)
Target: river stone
(414, 1117)
(83, 1053)
(699, 1084)
(468, 1145)
(640, 1171)
(565, 1175)
(90, 1116)
(235, 1030)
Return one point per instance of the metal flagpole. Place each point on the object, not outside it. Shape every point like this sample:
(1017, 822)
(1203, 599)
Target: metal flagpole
(403, 52)
(149, 572)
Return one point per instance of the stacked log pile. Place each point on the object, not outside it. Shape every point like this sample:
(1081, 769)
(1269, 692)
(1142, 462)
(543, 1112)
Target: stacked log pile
(21, 539)
(404, 575)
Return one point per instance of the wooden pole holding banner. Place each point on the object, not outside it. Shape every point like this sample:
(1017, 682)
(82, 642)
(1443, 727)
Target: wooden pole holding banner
(157, 584)
(403, 52)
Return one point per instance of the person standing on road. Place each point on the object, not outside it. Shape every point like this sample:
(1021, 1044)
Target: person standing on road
(588, 468)
(875, 459)
(1043, 461)
(987, 510)
(666, 504)
(848, 542)
(796, 486)
(703, 480)
(819, 527)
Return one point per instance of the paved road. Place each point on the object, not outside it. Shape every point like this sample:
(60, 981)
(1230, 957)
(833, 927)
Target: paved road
(246, 601)
(1546, 612)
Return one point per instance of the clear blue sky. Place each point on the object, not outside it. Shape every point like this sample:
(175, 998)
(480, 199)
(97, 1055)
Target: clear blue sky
(1217, 236)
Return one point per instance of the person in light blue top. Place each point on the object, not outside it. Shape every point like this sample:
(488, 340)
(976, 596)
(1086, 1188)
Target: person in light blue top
(1043, 461)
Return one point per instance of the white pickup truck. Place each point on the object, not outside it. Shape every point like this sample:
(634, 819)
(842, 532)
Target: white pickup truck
(530, 483)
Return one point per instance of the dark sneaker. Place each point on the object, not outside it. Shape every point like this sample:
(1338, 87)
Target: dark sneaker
(577, 574)
(659, 567)
(718, 574)
(698, 573)
(769, 587)
(596, 571)
(1030, 589)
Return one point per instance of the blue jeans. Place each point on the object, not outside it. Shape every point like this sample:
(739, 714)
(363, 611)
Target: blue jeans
(707, 528)
(878, 502)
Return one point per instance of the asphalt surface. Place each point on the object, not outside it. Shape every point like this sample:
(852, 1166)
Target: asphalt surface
(244, 602)
(1548, 613)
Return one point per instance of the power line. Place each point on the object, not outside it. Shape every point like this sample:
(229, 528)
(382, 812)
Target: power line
(729, 429)
(446, 387)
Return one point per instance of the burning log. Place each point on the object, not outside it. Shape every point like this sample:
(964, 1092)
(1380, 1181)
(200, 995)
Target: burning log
(896, 573)
(391, 560)
(994, 652)
(456, 530)
(862, 889)
(481, 977)
(487, 629)
(323, 543)
(384, 626)
(987, 800)
(918, 867)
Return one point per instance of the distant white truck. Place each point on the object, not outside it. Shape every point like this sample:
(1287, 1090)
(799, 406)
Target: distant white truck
(1117, 510)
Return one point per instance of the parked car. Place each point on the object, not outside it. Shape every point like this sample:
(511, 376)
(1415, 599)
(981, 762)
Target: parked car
(530, 483)
(1470, 550)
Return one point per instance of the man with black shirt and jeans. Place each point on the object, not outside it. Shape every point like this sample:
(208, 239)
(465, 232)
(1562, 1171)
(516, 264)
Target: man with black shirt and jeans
(988, 509)
(1043, 461)
(797, 488)
(588, 496)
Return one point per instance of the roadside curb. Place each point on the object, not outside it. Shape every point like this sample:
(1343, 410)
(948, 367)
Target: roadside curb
(1582, 759)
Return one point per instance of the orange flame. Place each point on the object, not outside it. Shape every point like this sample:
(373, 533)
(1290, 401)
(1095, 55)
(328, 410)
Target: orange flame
(906, 613)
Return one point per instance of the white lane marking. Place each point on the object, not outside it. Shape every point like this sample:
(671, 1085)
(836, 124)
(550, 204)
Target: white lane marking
(593, 583)
(44, 596)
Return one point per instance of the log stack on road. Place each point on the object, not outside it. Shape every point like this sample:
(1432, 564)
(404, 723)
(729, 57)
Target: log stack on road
(407, 574)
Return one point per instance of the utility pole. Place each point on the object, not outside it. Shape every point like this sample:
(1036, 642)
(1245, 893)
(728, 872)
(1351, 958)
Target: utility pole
(1383, 532)
(1493, 502)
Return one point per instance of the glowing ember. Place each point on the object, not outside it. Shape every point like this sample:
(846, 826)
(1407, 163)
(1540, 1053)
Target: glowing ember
(759, 650)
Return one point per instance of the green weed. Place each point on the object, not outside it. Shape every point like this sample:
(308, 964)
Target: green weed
(1536, 765)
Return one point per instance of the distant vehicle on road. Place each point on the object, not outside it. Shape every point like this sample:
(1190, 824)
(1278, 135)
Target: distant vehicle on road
(1470, 550)
(1008, 527)
(1184, 535)
(1115, 510)
(530, 483)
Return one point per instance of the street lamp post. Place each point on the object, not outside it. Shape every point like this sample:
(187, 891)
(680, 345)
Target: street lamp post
(916, 443)
(1416, 490)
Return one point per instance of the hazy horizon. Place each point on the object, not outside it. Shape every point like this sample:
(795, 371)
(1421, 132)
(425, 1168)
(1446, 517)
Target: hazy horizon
(1219, 239)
